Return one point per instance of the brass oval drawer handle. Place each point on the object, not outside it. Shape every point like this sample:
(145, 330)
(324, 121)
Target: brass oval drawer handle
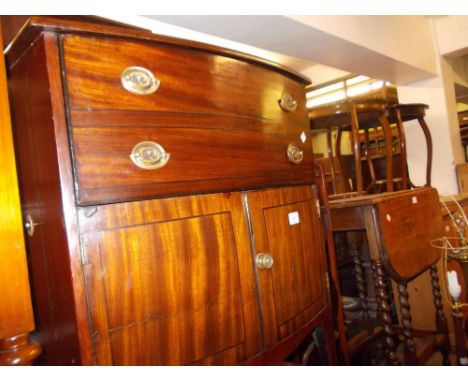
(287, 102)
(139, 80)
(295, 154)
(264, 261)
(149, 155)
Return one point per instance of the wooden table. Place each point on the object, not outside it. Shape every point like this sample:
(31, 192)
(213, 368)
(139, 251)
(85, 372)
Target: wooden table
(362, 116)
(399, 227)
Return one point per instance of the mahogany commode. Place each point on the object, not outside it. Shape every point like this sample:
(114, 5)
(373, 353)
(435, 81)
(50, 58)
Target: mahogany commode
(172, 190)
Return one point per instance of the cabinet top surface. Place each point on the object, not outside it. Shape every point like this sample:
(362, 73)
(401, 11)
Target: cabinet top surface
(106, 28)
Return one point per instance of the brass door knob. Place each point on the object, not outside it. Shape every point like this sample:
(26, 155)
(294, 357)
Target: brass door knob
(139, 80)
(295, 154)
(149, 155)
(264, 261)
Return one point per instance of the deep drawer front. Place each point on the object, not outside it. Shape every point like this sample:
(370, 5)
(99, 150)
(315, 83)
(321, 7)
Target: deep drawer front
(200, 160)
(191, 81)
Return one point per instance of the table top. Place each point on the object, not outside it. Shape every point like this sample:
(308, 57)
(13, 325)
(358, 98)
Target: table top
(373, 199)
(337, 114)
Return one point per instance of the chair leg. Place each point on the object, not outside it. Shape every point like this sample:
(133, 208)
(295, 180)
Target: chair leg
(441, 322)
(384, 308)
(409, 348)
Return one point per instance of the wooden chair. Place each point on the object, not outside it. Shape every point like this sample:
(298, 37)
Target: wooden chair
(354, 116)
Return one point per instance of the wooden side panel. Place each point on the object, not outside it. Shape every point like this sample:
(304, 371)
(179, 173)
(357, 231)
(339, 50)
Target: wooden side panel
(167, 286)
(190, 80)
(294, 290)
(33, 93)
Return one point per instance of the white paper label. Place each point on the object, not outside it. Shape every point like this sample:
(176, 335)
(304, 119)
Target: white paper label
(414, 199)
(303, 137)
(293, 218)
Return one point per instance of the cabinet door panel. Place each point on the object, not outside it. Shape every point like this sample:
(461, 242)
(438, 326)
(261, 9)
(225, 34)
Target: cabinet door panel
(298, 261)
(172, 288)
(286, 225)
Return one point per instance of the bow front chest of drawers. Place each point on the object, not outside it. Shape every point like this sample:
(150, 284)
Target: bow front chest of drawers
(168, 188)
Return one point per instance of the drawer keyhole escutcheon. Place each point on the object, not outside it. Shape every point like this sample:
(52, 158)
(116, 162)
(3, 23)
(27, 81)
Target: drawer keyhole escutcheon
(264, 261)
(139, 80)
(295, 154)
(287, 102)
(149, 155)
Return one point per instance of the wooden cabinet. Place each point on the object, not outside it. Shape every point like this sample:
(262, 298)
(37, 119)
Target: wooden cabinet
(177, 275)
(165, 265)
(170, 281)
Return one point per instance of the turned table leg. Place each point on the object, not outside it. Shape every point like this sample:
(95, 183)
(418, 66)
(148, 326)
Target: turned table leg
(441, 322)
(355, 240)
(384, 308)
(409, 348)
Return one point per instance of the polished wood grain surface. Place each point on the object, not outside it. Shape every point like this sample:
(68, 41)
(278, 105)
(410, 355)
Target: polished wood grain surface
(293, 291)
(222, 132)
(190, 80)
(401, 238)
(16, 314)
(123, 276)
(408, 225)
(167, 271)
(202, 160)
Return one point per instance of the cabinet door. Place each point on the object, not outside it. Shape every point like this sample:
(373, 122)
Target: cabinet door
(170, 281)
(286, 225)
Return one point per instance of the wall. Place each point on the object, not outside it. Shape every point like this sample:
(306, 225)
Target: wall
(452, 35)
(439, 94)
(404, 40)
(433, 93)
